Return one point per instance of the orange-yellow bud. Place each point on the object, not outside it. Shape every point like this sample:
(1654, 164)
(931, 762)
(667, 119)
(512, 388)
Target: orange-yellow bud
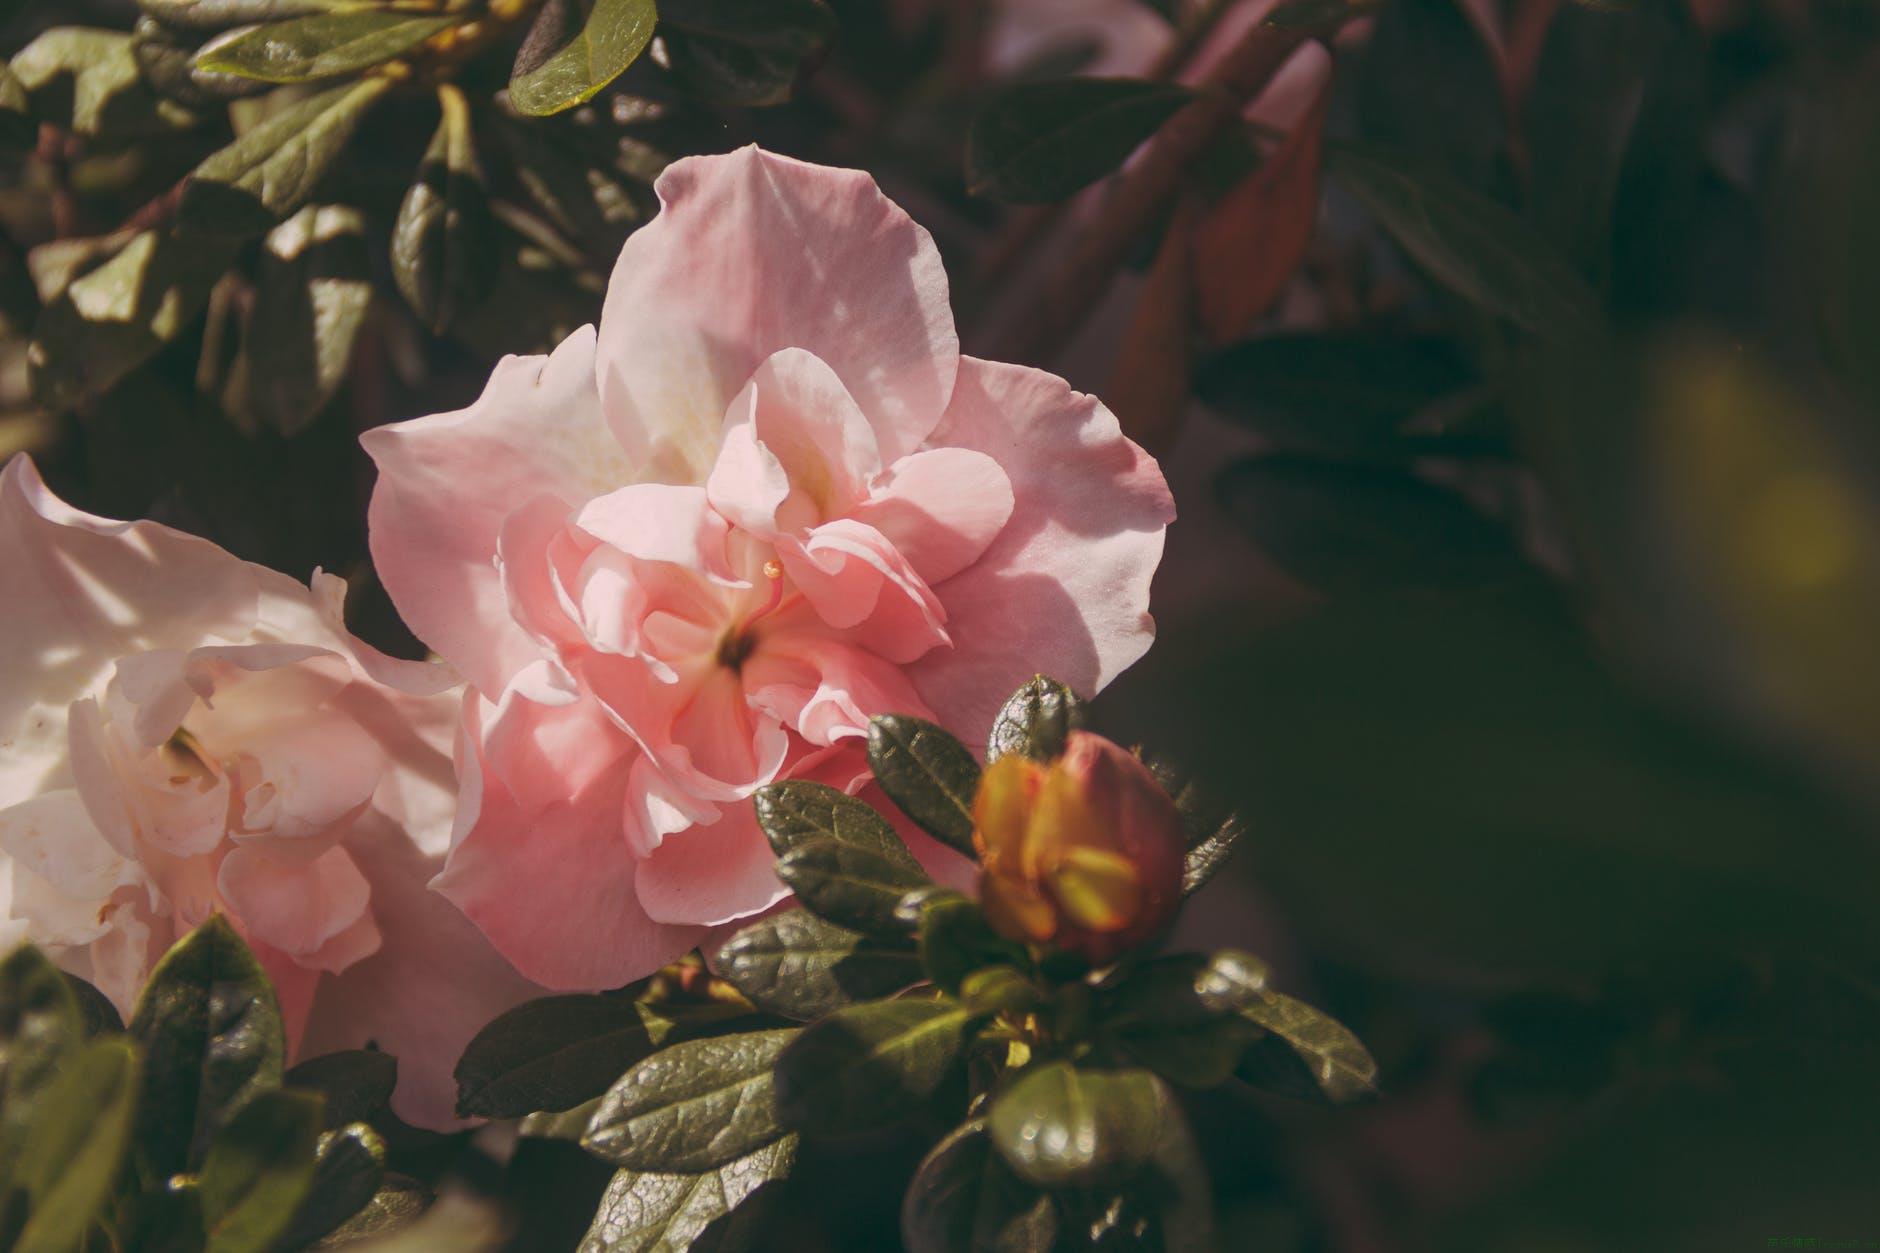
(1083, 853)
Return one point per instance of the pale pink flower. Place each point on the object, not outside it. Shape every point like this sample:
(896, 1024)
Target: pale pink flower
(183, 732)
(696, 551)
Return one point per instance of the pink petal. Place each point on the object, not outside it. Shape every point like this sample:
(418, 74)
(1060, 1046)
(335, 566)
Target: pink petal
(524, 544)
(447, 482)
(826, 689)
(852, 575)
(1064, 589)
(793, 417)
(754, 252)
(712, 874)
(657, 522)
(297, 906)
(941, 509)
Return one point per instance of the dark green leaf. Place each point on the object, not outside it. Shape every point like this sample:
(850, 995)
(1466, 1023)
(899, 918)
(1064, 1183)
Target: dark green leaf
(566, 1124)
(274, 168)
(88, 81)
(356, 1083)
(577, 183)
(575, 48)
(965, 1199)
(313, 290)
(714, 1211)
(399, 1202)
(1337, 1062)
(694, 1106)
(746, 53)
(1039, 142)
(167, 58)
(795, 964)
(1350, 530)
(1470, 244)
(542, 294)
(211, 1032)
(928, 773)
(794, 813)
(1036, 721)
(955, 941)
(40, 1025)
(259, 1168)
(1337, 395)
(349, 1168)
(322, 45)
(1212, 830)
(998, 990)
(868, 1065)
(441, 243)
(115, 317)
(72, 1153)
(18, 130)
(850, 885)
(556, 1052)
(221, 14)
(1177, 1015)
(1059, 1126)
(95, 1009)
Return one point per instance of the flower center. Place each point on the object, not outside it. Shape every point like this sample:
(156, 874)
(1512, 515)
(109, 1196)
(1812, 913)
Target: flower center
(736, 647)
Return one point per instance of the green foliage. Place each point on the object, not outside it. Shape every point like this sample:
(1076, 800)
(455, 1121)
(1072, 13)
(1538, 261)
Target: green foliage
(1038, 142)
(441, 252)
(929, 774)
(1337, 1067)
(851, 885)
(693, 1107)
(355, 1083)
(70, 1155)
(712, 1211)
(1063, 1126)
(868, 1065)
(576, 48)
(802, 967)
(743, 52)
(1035, 721)
(259, 1169)
(964, 1196)
(323, 45)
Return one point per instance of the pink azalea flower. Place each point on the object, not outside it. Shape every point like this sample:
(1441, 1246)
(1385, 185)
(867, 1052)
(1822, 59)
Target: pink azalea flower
(187, 733)
(695, 551)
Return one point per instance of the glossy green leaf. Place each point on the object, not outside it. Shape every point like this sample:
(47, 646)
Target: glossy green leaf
(322, 45)
(40, 1026)
(166, 56)
(868, 1065)
(356, 1083)
(1470, 244)
(955, 940)
(575, 48)
(564, 1124)
(71, 1155)
(259, 1168)
(399, 1202)
(441, 253)
(1336, 1061)
(211, 1032)
(795, 964)
(746, 53)
(694, 1106)
(1212, 829)
(88, 81)
(349, 1168)
(928, 773)
(1037, 142)
(221, 14)
(556, 1052)
(850, 885)
(965, 1199)
(1035, 721)
(1058, 1126)
(1178, 1015)
(797, 812)
(273, 169)
(715, 1211)
(313, 291)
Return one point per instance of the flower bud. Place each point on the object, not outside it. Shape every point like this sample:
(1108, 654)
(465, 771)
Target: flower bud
(1083, 854)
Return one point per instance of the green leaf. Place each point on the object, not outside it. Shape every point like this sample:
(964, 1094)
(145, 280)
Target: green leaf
(850, 885)
(258, 1170)
(441, 244)
(18, 130)
(211, 1032)
(867, 1065)
(1059, 1126)
(1000, 989)
(356, 1083)
(556, 1052)
(221, 14)
(798, 812)
(72, 1153)
(399, 1202)
(561, 64)
(1177, 1015)
(313, 291)
(112, 319)
(1477, 248)
(1037, 142)
(273, 169)
(955, 940)
(322, 45)
(1336, 1063)
(578, 182)
(88, 81)
(166, 57)
(714, 1211)
(348, 1170)
(1210, 828)
(566, 1124)
(746, 53)
(928, 773)
(795, 964)
(694, 1106)
(40, 1026)
(1036, 721)
(95, 1009)
(965, 1199)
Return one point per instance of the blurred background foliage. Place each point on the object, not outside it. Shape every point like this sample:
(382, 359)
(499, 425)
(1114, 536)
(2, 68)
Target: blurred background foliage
(1521, 392)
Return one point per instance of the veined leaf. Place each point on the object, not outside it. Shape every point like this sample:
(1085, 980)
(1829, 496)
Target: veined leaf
(88, 81)
(1336, 1061)
(851, 885)
(928, 773)
(867, 1065)
(258, 1170)
(356, 1083)
(349, 1166)
(797, 812)
(322, 45)
(1035, 721)
(1059, 1126)
(692, 1107)
(746, 53)
(575, 48)
(795, 964)
(713, 1211)
(441, 244)
(221, 14)
(1038, 142)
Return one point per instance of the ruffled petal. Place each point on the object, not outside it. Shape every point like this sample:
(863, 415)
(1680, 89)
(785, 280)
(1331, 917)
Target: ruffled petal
(941, 509)
(709, 875)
